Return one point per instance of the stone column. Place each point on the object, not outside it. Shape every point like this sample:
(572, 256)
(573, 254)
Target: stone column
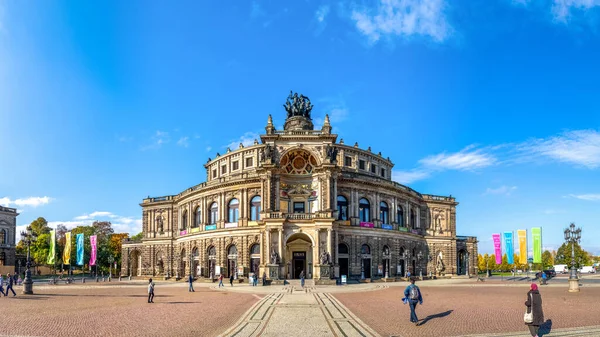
(407, 214)
(261, 242)
(329, 241)
(418, 216)
(317, 248)
(280, 244)
(337, 260)
(268, 244)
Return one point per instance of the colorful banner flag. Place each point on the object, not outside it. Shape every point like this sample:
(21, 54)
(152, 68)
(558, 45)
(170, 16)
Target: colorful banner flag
(497, 248)
(93, 251)
(509, 247)
(52, 250)
(522, 234)
(536, 234)
(67, 250)
(80, 249)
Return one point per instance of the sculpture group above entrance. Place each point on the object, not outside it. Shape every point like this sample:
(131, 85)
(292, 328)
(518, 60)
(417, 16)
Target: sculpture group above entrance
(298, 109)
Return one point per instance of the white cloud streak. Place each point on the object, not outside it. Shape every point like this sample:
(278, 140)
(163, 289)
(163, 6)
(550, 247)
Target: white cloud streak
(502, 190)
(563, 9)
(25, 202)
(581, 147)
(407, 177)
(403, 18)
(321, 13)
(467, 159)
(247, 139)
(158, 140)
(588, 197)
(184, 141)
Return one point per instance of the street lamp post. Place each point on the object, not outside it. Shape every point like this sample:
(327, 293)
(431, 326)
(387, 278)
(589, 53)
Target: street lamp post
(29, 237)
(110, 261)
(573, 236)
(419, 257)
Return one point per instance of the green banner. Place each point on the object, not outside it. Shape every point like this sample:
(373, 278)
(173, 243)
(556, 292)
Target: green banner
(52, 250)
(536, 234)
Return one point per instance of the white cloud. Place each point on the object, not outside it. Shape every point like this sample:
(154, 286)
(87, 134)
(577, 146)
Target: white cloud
(407, 177)
(562, 9)
(247, 139)
(502, 190)
(404, 18)
(183, 141)
(157, 140)
(588, 197)
(27, 202)
(581, 147)
(256, 10)
(553, 211)
(208, 148)
(321, 13)
(469, 158)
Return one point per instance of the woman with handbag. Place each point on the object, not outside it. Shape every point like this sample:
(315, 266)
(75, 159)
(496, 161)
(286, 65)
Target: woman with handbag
(534, 315)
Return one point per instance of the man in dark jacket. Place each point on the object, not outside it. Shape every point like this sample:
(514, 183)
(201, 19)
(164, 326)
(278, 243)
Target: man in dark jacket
(9, 285)
(191, 280)
(534, 305)
(412, 296)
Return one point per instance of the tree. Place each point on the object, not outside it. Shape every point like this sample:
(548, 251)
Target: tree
(547, 260)
(563, 255)
(40, 226)
(115, 244)
(491, 263)
(482, 262)
(139, 236)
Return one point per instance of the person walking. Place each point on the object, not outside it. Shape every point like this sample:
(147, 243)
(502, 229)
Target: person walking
(412, 296)
(9, 285)
(544, 278)
(302, 279)
(255, 280)
(191, 280)
(150, 291)
(221, 281)
(231, 279)
(2, 285)
(264, 278)
(534, 306)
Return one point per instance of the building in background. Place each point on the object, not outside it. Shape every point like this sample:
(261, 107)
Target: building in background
(299, 200)
(8, 235)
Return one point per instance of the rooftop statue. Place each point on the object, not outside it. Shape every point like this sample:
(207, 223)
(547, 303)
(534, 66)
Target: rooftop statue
(298, 106)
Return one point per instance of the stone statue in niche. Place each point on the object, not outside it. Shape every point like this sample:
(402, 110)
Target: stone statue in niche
(266, 153)
(274, 257)
(159, 224)
(325, 260)
(331, 153)
(440, 263)
(160, 265)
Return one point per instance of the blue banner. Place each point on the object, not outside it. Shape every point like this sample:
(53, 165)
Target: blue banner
(80, 249)
(386, 226)
(210, 227)
(509, 247)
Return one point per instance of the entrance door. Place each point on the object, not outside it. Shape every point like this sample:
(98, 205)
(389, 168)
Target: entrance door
(232, 268)
(367, 267)
(402, 268)
(414, 268)
(211, 268)
(344, 266)
(299, 263)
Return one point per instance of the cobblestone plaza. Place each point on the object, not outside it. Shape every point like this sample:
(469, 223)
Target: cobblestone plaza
(450, 308)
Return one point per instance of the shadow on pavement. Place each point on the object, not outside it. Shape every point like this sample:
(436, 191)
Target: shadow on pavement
(89, 295)
(545, 328)
(430, 317)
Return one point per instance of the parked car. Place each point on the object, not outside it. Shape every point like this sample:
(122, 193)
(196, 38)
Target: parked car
(587, 270)
(561, 268)
(550, 273)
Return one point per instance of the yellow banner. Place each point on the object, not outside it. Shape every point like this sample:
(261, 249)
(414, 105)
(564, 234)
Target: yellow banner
(522, 235)
(67, 250)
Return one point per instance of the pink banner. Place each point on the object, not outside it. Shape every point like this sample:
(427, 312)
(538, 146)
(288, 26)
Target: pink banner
(497, 248)
(366, 224)
(93, 252)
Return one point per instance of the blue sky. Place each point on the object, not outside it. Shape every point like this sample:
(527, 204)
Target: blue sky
(494, 102)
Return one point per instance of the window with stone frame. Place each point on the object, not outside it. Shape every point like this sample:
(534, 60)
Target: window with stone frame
(2, 259)
(197, 217)
(233, 210)
(214, 173)
(384, 213)
(342, 208)
(249, 162)
(383, 172)
(364, 210)
(412, 219)
(361, 164)
(183, 220)
(3, 236)
(214, 213)
(223, 169)
(255, 208)
(347, 161)
(373, 168)
(400, 217)
(235, 165)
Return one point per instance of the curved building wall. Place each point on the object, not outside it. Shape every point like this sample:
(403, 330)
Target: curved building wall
(299, 201)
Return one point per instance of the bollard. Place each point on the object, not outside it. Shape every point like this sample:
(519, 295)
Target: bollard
(129, 277)
(83, 280)
(119, 278)
(97, 279)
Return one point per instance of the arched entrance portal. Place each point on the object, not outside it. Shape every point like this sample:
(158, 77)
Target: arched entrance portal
(463, 257)
(212, 261)
(232, 261)
(343, 257)
(135, 263)
(365, 252)
(299, 254)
